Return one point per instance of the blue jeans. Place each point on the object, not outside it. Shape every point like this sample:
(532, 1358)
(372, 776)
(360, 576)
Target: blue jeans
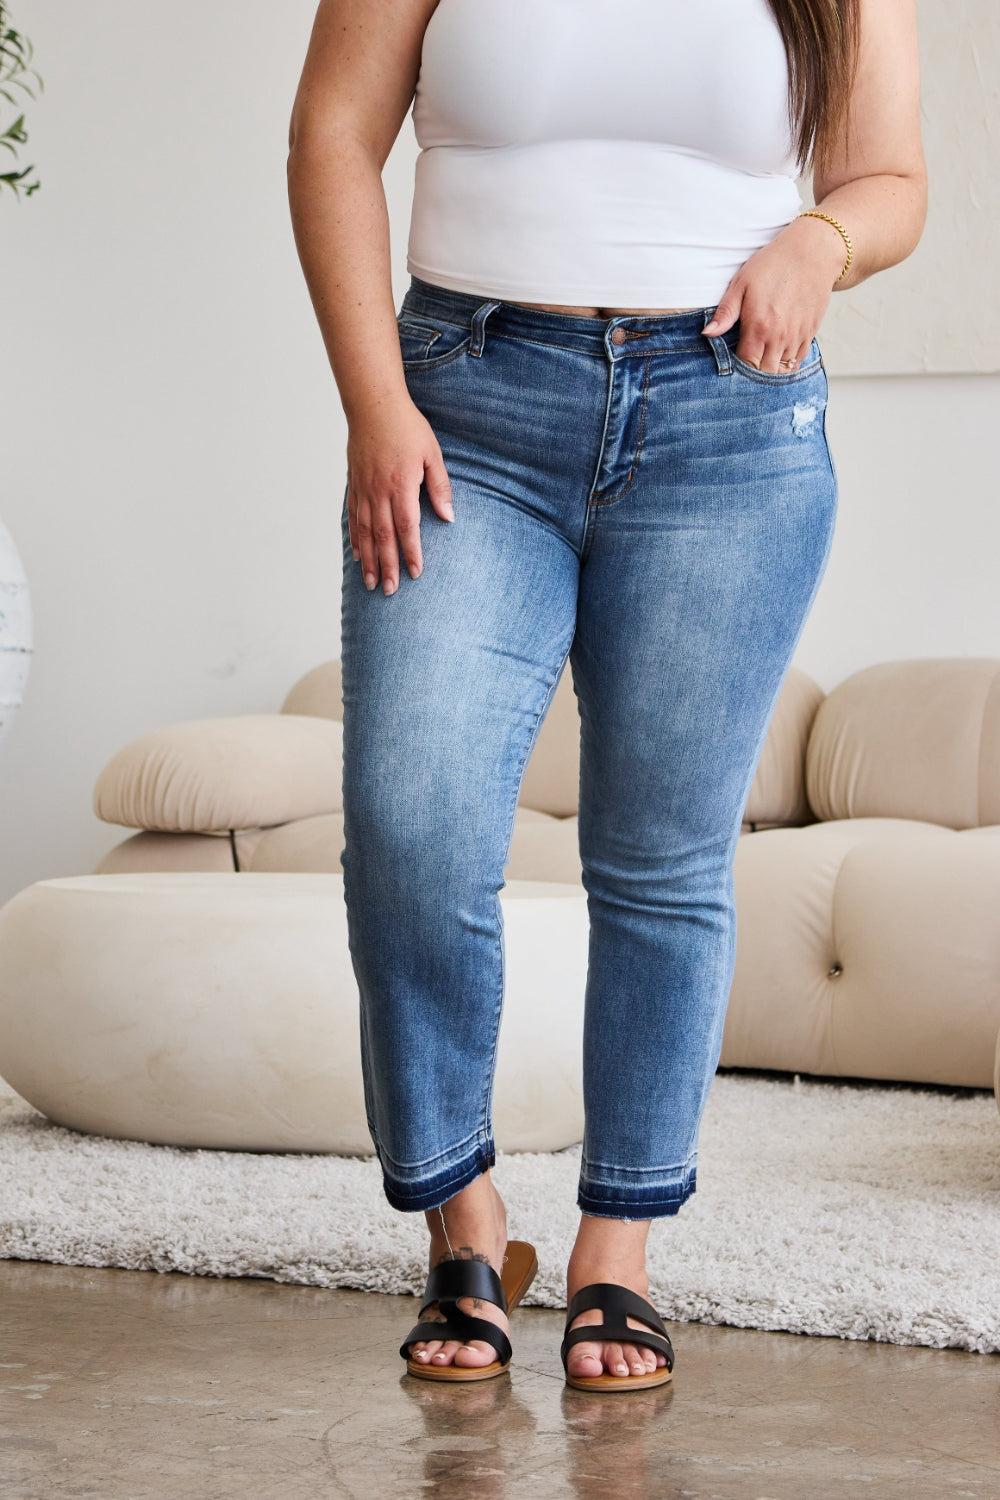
(630, 497)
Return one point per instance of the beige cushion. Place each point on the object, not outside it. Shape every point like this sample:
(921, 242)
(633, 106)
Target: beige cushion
(221, 1011)
(185, 851)
(778, 793)
(318, 693)
(548, 850)
(542, 848)
(310, 845)
(167, 851)
(867, 948)
(910, 739)
(551, 781)
(209, 775)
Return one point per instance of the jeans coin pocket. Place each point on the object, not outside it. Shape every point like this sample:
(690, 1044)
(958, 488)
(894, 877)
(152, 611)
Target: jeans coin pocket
(425, 344)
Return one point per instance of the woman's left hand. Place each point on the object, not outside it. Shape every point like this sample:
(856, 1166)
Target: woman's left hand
(780, 295)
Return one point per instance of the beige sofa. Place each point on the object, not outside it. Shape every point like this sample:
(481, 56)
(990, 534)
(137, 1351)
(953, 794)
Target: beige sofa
(867, 879)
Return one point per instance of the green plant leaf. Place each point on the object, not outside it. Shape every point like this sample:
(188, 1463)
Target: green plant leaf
(16, 53)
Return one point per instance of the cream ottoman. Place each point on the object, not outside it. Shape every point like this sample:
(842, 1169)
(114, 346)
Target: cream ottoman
(221, 1010)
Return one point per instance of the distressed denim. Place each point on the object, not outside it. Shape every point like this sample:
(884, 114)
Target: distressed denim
(634, 499)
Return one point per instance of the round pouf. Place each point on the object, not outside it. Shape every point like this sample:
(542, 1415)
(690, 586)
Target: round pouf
(221, 1010)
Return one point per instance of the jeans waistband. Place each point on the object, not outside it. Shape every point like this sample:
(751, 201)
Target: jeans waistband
(640, 334)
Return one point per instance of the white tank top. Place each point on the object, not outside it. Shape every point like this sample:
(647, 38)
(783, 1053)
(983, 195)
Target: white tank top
(610, 153)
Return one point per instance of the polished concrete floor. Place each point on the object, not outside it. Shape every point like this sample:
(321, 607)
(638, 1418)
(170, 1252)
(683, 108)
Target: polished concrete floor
(126, 1385)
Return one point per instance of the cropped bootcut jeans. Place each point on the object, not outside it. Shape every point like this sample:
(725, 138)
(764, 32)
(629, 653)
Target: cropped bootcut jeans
(634, 499)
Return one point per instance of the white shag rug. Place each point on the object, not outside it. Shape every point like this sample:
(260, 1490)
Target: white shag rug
(848, 1210)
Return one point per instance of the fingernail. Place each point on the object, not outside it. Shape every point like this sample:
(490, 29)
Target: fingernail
(390, 587)
(414, 571)
(356, 554)
(449, 513)
(709, 326)
(369, 580)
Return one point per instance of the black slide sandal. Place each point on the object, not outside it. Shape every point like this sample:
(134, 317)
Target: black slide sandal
(608, 1297)
(453, 1279)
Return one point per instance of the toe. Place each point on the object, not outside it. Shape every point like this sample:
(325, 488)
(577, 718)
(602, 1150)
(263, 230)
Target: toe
(614, 1358)
(476, 1354)
(633, 1358)
(446, 1354)
(585, 1359)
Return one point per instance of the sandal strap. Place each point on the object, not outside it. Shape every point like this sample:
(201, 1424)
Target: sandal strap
(464, 1278)
(446, 1283)
(460, 1326)
(618, 1333)
(609, 1297)
(621, 1303)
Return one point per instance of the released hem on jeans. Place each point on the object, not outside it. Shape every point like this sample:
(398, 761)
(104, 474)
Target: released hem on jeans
(431, 1192)
(604, 1201)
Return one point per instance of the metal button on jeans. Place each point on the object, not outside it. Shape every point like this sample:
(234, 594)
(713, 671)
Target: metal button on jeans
(618, 335)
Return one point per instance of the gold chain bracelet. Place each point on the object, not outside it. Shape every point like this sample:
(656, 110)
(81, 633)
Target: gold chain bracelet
(818, 214)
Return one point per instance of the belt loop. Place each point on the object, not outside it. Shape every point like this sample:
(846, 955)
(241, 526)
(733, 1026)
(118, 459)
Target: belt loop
(719, 346)
(479, 317)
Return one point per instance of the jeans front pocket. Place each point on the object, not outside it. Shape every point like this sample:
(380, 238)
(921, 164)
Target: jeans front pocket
(812, 362)
(426, 343)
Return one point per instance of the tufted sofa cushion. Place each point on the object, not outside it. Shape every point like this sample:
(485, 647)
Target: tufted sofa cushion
(910, 739)
(778, 794)
(867, 948)
(210, 775)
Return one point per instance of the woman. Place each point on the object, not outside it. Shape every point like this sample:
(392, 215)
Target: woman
(595, 432)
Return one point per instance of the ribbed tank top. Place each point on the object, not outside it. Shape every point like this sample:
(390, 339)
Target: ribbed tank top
(610, 153)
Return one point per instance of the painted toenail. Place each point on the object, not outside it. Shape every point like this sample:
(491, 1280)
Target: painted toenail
(621, 1369)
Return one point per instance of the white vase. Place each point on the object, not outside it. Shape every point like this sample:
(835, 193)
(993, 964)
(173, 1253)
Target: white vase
(15, 630)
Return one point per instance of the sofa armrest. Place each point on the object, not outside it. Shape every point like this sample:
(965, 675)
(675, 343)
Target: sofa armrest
(212, 775)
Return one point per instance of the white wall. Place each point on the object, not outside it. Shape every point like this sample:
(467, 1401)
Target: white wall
(905, 323)
(173, 446)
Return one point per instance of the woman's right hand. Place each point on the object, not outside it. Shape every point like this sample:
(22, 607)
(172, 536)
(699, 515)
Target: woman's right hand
(391, 452)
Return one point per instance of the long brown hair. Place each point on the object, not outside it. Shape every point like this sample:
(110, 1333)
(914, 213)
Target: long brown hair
(821, 40)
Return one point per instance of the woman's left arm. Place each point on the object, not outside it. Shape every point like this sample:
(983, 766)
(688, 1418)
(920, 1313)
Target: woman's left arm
(875, 183)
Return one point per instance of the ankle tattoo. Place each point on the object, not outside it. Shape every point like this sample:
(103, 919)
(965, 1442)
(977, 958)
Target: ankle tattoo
(464, 1252)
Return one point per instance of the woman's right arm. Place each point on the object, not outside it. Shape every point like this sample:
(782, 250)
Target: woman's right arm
(356, 89)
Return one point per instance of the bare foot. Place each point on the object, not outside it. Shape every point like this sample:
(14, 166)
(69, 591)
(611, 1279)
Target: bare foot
(474, 1228)
(610, 1250)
